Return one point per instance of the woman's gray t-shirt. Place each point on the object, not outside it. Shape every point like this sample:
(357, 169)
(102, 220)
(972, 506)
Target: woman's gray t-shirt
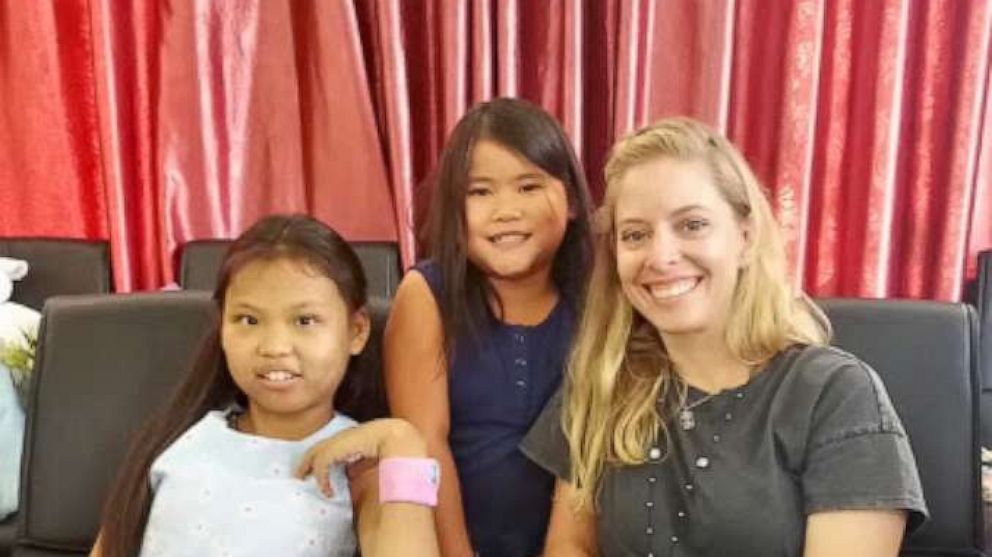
(813, 431)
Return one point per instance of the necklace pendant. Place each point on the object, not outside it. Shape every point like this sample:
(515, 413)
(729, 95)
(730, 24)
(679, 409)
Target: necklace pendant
(687, 421)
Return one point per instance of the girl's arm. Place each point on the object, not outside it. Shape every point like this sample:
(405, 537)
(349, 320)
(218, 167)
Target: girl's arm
(95, 552)
(417, 386)
(855, 533)
(571, 532)
(385, 529)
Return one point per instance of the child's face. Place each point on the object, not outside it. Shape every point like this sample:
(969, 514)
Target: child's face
(288, 335)
(515, 213)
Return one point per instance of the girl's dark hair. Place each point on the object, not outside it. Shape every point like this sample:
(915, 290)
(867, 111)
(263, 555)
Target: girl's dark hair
(208, 385)
(530, 131)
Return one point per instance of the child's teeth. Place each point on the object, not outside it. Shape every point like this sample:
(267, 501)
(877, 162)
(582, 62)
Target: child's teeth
(508, 238)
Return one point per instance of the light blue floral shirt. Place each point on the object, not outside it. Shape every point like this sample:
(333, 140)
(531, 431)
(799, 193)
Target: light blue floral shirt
(11, 441)
(223, 493)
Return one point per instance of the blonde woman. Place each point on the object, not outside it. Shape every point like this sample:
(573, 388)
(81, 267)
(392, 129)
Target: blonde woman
(703, 412)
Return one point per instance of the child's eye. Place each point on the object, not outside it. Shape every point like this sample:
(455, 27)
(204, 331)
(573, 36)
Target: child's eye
(476, 191)
(307, 320)
(244, 319)
(633, 236)
(531, 187)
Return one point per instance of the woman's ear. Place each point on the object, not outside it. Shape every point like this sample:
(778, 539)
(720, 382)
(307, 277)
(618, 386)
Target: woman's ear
(361, 328)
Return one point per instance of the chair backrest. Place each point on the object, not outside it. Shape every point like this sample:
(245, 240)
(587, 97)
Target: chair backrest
(201, 260)
(983, 302)
(925, 353)
(58, 267)
(105, 363)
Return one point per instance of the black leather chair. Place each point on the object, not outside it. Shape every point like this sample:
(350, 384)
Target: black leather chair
(926, 354)
(983, 302)
(58, 267)
(105, 363)
(201, 259)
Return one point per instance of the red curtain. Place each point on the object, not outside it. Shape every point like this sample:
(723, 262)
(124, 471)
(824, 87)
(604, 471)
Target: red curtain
(154, 122)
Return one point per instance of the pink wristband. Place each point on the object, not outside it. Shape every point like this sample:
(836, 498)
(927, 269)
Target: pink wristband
(409, 480)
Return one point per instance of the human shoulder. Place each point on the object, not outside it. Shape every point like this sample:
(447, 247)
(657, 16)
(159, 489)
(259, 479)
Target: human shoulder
(212, 428)
(419, 289)
(822, 369)
(198, 443)
(414, 310)
(843, 394)
(338, 423)
(428, 272)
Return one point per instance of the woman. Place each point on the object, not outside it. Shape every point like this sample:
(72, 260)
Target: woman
(703, 412)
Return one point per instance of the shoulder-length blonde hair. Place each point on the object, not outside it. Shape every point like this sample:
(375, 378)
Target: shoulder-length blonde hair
(618, 368)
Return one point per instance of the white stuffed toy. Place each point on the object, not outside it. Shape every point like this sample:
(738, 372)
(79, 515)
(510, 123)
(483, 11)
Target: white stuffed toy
(17, 324)
(15, 319)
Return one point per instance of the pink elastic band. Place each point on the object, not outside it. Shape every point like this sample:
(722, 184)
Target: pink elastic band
(409, 480)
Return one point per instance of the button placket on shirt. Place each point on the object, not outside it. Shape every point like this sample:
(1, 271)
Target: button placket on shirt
(520, 373)
(654, 456)
(701, 462)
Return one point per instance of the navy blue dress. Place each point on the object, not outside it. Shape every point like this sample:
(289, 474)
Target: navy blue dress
(497, 389)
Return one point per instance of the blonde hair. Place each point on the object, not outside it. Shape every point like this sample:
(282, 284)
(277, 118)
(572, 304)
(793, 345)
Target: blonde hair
(618, 368)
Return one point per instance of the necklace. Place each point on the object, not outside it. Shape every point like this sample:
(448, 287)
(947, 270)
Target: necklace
(687, 419)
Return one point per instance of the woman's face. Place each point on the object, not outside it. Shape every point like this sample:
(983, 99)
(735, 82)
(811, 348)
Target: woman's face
(679, 246)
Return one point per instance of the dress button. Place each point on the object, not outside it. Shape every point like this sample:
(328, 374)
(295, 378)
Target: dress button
(519, 337)
(649, 504)
(650, 554)
(728, 416)
(649, 531)
(739, 395)
(520, 362)
(688, 487)
(681, 514)
(654, 453)
(652, 479)
(521, 383)
(675, 539)
(716, 437)
(702, 463)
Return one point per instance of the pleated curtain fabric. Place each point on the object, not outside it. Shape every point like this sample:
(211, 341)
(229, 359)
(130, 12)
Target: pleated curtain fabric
(155, 122)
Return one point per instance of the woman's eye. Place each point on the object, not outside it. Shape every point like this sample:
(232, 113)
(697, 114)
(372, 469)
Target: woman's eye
(531, 187)
(694, 225)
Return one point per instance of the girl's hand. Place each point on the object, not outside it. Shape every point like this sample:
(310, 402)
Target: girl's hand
(372, 440)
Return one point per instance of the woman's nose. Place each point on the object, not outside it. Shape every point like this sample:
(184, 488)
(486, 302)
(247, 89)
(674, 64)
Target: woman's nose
(665, 249)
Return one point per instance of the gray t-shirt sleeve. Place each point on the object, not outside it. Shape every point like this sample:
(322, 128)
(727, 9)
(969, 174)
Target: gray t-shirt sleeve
(857, 454)
(546, 443)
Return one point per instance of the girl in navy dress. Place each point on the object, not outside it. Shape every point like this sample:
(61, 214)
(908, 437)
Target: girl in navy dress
(479, 332)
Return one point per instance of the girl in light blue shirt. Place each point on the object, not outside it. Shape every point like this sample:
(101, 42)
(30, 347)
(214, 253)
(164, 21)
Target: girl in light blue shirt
(249, 457)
